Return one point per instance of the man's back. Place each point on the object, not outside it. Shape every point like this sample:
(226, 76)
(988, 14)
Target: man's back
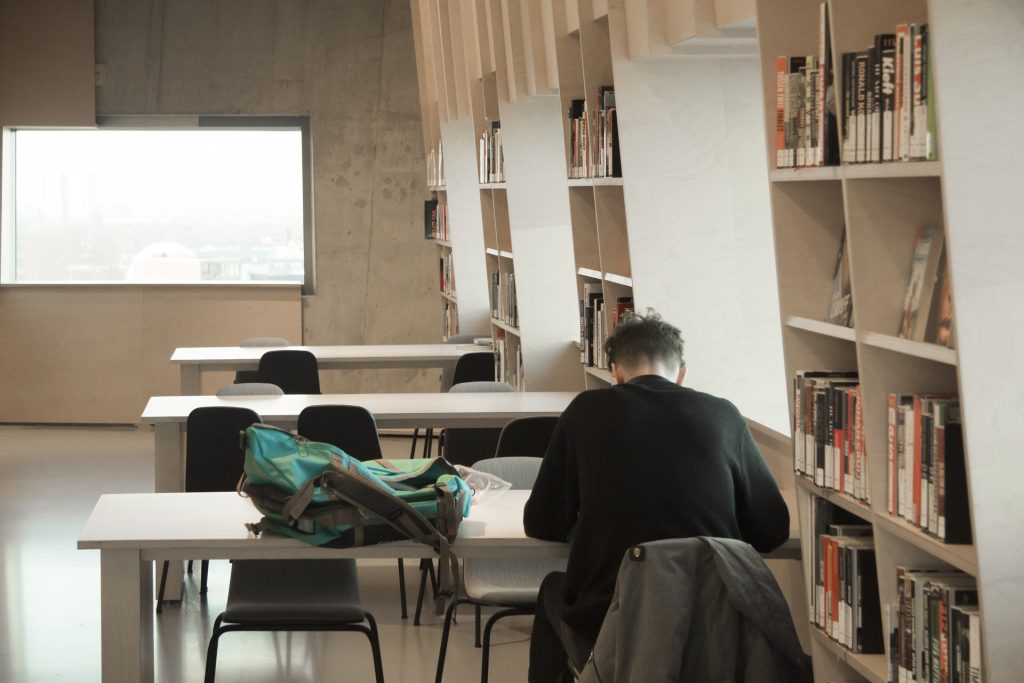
(644, 461)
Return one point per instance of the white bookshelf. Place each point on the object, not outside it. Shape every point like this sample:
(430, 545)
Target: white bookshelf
(970, 189)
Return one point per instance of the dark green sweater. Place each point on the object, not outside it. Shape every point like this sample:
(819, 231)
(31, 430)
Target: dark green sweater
(643, 461)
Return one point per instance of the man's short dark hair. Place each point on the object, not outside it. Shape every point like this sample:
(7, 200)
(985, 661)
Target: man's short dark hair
(644, 337)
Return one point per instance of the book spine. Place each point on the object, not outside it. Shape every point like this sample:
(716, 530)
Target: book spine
(919, 120)
(915, 481)
(893, 472)
(874, 97)
(974, 649)
(888, 88)
(861, 118)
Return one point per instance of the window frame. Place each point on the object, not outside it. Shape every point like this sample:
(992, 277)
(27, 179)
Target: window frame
(8, 145)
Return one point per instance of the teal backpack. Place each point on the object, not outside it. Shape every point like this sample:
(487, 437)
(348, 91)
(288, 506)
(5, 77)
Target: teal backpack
(319, 494)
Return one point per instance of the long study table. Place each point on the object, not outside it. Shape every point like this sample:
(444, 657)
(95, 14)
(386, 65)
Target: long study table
(169, 415)
(131, 531)
(193, 361)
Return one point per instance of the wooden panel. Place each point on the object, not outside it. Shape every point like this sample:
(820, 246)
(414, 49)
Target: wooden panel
(460, 67)
(515, 50)
(483, 32)
(90, 354)
(549, 20)
(47, 63)
(425, 74)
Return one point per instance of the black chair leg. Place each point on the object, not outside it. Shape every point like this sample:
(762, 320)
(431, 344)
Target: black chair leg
(477, 626)
(485, 659)
(428, 442)
(211, 651)
(444, 640)
(415, 435)
(163, 585)
(401, 586)
(374, 636)
(421, 594)
(204, 575)
(189, 570)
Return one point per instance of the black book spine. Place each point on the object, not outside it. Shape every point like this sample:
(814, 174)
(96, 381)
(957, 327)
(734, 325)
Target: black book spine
(887, 86)
(958, 516)
(871, 636)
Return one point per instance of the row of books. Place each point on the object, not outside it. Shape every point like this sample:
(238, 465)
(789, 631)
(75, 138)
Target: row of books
(491, 155)
(806, 132)
(927, 313)
(888, 99)
(828, 432)
(449, 319)
(596, 324)
(508, 354)
(847, 607)
(447, 269)
(503, 298)
(934, 629)
(594, 137)
(885, 101)
(927, 472)
(435, 166)
(435, 220)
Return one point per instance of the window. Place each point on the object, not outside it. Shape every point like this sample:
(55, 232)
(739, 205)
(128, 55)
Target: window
(200, 205)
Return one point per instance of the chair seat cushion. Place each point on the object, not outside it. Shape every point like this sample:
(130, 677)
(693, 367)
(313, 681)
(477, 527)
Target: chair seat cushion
(265, 591)
(507, 581)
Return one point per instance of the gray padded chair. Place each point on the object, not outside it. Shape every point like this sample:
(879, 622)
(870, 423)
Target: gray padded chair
(294, 595)
(244, 376)
(508, 583)
(250, 389)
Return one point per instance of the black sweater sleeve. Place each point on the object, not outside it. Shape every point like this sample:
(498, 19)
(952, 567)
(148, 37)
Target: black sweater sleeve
(553, 507)
(760, 509)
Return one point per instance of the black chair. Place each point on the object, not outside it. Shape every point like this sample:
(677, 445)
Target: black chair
(294, 370)
(526, 437)
(471, 367)
(353, 430)
(214, 459)
(294, 595)
(244, 376)
(350, 428)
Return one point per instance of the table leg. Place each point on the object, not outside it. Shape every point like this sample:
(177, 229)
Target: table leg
(169, 471)
(191, 380)
(126, 621)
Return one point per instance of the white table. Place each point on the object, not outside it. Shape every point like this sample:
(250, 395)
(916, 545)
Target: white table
(196, 360)
(131, 531)
(169, 414)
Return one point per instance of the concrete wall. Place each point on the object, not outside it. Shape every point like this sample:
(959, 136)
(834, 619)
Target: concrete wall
(350, 66)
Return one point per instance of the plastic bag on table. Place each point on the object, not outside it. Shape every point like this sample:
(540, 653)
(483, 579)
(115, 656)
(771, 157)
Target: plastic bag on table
(485, 486)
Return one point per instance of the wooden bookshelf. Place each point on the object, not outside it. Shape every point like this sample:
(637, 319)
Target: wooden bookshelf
(881, 207)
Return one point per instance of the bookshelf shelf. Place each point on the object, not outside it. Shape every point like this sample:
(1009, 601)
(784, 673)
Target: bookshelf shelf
(599, 373)
(449, 297)
(595, 182)
(907, 169)
(619, 279)
(872, 667)
(933, 352)
(963, 557)
(821, 327)
(493, 186)
(437, 188)
(788, 175)
(862, 510)
(443, 243)
(589, 273)
(505, 326)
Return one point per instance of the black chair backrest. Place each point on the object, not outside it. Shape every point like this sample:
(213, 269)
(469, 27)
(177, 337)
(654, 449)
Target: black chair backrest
(474, 367)
(213, 447)
(526, 437)
(350, 428)
(294, 370)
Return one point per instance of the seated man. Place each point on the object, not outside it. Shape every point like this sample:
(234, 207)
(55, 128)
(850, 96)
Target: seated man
(644, 460)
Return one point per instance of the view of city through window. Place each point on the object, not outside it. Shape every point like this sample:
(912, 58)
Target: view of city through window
(156, 206)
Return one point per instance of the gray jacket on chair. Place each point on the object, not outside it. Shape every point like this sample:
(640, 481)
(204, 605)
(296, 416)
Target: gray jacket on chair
(702, 609)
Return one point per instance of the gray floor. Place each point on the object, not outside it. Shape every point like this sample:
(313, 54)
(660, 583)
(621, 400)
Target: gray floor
(50, 479)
